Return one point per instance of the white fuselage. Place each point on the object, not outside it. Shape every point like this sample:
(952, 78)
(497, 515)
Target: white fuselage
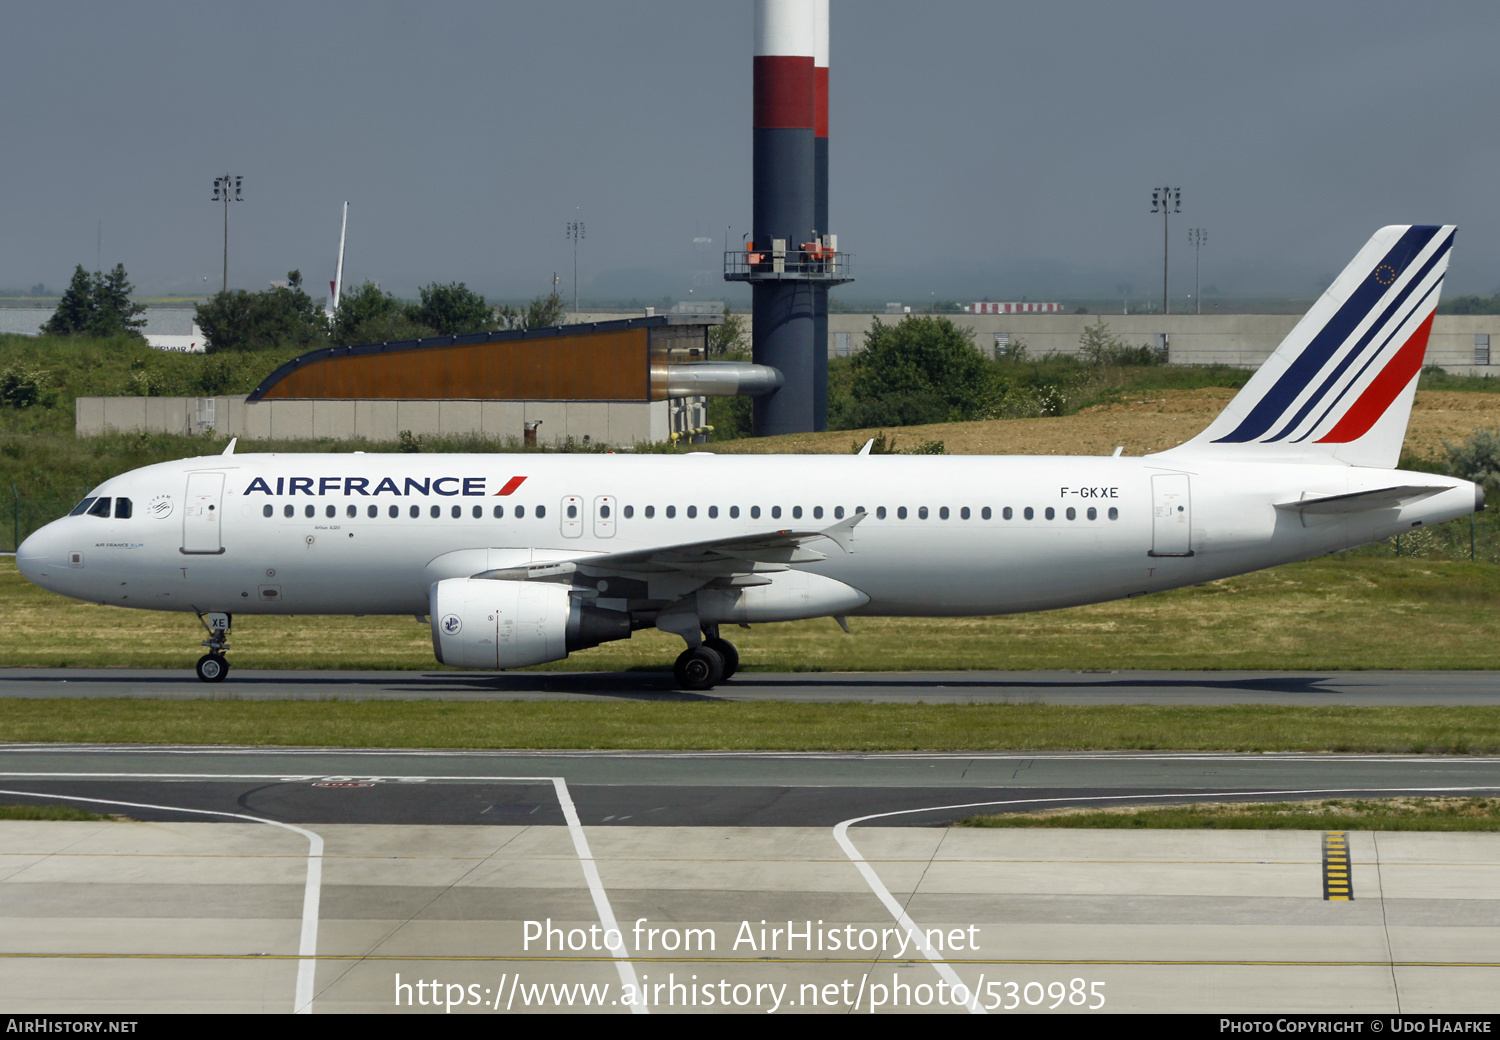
(198, 537)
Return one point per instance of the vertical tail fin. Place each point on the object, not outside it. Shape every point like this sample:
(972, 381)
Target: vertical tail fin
(1339, 388)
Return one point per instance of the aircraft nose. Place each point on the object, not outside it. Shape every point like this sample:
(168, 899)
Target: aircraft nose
(33, 556)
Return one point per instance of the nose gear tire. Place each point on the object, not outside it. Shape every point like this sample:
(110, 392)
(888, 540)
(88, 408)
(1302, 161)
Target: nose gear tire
(212, 668)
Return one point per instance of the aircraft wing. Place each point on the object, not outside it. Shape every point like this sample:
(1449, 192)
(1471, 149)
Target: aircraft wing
(671, 571)
(1359, 501)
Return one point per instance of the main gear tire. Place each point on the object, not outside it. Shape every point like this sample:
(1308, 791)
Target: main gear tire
(698, 668)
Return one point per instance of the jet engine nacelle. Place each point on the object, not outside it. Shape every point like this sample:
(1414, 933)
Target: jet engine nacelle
(479, 623)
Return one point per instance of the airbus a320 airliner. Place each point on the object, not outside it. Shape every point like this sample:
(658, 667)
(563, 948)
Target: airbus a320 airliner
(522, 559)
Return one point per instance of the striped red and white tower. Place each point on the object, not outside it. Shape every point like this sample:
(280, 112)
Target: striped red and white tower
(787, 261)
(820, 209)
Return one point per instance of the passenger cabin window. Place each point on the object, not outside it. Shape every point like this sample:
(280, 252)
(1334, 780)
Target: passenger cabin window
(436, 511)
(650, 512)
(796, 512)
(100, 508)
(520, 512)
(963, 514)
(734, 512)
(1114, 514)
(479, 512)
(629, 512)
(943, 513)
(1093, 513)
(985, 513)
(755, 512)
(288, 510)
(122, 509)
(922, 513)
(817, 512)
(266, 510)
(775, 512)
(457, 511)
(901, 513)
(416, 511)
(713, 512)
(671, 512)
(541, 511)
(499, 512)
(1051, 513)
(880, 512)
(351, 510)
(692, 512)
(1028, 513)
(1072, 514)
(331, 511)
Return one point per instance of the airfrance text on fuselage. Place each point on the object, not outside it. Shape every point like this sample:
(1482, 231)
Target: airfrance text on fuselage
(348, 486)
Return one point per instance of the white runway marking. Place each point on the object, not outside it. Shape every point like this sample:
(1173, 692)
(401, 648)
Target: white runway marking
(841, 835)
(307, 946)
(308, 951)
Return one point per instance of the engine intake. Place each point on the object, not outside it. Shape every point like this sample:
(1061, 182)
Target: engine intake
(479, 623)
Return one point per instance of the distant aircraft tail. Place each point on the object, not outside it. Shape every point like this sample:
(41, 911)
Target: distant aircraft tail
(1339, 388)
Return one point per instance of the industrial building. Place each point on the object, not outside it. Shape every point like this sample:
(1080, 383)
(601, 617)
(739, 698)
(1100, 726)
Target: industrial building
(616, 382)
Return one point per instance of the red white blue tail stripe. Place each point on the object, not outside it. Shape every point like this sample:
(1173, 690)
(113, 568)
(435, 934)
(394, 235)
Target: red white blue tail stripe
(1349, 363)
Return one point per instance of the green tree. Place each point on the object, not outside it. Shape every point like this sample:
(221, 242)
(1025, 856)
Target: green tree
(76, 308)
(370, 315)
(923, 369)
(97, 305)
(727, 340)
(240, 320)
(115, 313)
(542, 312)
(452, 310)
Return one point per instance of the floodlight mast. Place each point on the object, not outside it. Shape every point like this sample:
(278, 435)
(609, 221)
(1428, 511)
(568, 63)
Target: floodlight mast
(1165, 201)
(1196, 237)
(229, 186)
(574, 231)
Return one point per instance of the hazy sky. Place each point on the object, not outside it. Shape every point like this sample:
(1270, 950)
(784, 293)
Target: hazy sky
(977, 148)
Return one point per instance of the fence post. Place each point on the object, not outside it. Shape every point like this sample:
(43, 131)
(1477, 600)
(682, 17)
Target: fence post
(17, 521)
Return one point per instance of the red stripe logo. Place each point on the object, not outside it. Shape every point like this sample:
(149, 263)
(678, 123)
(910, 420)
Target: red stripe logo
(1401, 370)
(510, 486)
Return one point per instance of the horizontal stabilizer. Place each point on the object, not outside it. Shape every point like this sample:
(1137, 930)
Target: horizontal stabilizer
(1359, 501)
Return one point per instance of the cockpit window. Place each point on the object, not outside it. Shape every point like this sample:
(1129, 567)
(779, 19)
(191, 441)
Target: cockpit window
(82, 507)
(100, 507)
(122, 509)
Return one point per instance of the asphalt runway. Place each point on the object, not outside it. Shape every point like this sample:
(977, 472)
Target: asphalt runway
(335, 880)
(1309, 688)
(693, 789)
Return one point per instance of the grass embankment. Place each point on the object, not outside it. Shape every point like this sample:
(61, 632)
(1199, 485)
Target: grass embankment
(1341, 612)
(712, 725)
(51, 812)
(1333, 814)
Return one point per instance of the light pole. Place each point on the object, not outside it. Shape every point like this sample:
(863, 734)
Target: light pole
(575, 232)
(1165, 201)
(1196, 237)
(230, 186)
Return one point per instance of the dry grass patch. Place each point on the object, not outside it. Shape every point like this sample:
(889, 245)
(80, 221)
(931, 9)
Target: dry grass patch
(1336, 814)
(1142, 422)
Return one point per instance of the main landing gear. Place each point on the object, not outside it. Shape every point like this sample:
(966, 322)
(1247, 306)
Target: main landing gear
(709, 663)
(212, 667)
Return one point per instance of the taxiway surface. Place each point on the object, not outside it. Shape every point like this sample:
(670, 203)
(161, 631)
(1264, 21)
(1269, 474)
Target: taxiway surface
(1306, 688)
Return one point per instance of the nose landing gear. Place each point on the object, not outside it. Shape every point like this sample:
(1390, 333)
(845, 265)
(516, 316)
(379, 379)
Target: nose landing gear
(212, 667)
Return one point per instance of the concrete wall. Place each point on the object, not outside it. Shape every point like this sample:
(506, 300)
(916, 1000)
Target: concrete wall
(1227, 339)
(1194, 339)
(610, 422)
